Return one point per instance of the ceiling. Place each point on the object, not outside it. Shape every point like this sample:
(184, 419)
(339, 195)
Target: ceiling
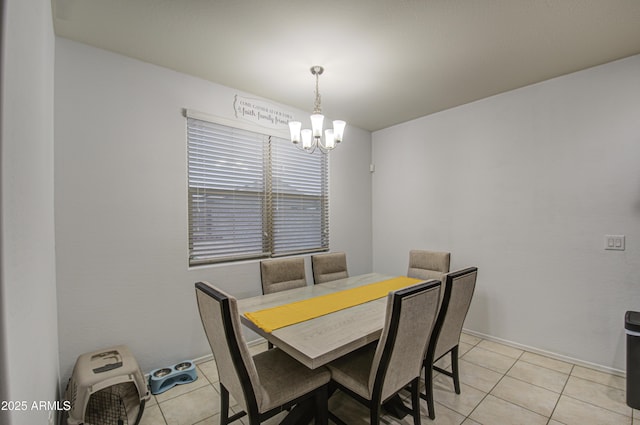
(386, 61)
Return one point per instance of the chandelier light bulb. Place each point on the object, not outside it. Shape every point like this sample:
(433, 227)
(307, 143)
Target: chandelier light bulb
(294, 128)
(307, 140)
(316, 125)
(338, 130)
(329, 141)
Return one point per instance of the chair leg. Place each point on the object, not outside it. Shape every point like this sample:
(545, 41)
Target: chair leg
(322, 405)
(428, 389)
(454, 369)
(224, 405)
(374, 413)
(415, 400)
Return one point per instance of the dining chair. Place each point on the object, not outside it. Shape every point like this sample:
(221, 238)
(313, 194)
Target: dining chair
(445, 338)
(375, 373)
(428, 264)
(282, 274)
(265, 384)
(329, 266)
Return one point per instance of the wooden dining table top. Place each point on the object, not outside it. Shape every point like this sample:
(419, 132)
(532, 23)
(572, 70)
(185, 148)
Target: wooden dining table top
(318, 341)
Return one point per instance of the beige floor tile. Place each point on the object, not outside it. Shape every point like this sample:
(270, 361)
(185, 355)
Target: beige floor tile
(489, 359)
(209, 370)
(538, 375)
(192, 407)
(476, 376)
(469, 339)
(570, 411)
(597, 394)
(211, 420)
(444, 415)
(600, 377)
(494, 411)
(524, 388)
(463, 347)
(151, 402)
(549, 363)
(462, 403)
(152, 416)
(500, 348)
(180, 389)
(526, 395)
(444, 362)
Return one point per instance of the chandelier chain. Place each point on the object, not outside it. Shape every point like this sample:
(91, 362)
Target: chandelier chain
(317, 106)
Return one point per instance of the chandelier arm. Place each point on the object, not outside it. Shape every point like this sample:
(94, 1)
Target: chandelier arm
(310, 150)
(323, 148)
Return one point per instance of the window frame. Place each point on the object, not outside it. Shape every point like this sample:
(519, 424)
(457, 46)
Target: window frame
(269, 195)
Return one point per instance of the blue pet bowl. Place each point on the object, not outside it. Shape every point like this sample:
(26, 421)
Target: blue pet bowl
(160, 380)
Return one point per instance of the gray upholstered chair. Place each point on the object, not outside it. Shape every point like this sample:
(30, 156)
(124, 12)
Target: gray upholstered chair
(458, 292)
(376, 372)
(428, 264)
(328, 267)
(282, 274)
(263, 385)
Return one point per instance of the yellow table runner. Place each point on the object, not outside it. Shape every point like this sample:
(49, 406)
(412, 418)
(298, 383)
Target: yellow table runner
(270, 319)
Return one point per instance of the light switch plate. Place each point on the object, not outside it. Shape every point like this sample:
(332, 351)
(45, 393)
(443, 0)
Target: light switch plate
(614, 242)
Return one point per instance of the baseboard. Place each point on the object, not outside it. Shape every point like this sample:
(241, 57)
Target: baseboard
(208, 357)
(550, 354)
(203, 359)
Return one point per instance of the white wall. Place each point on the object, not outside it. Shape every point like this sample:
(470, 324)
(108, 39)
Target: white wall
(525, 185)
(121, 207)
(28, 316)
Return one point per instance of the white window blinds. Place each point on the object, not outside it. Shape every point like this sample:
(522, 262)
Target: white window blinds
(300, 199)
(252, 195)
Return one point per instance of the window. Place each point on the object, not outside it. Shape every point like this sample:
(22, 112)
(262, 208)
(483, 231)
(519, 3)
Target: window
(253, 195)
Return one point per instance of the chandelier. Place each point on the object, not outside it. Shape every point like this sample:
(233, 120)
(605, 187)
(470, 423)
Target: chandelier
(310, 139)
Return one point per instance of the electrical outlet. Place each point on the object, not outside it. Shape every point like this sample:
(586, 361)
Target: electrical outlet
(614, 242)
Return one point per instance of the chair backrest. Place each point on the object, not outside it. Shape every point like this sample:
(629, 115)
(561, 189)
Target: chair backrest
(458, 292)
(328, 267)
(428, 264)
(410, 317)
(282, 274)
(221, 322)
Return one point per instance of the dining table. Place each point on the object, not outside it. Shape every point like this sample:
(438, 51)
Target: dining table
(317, 341)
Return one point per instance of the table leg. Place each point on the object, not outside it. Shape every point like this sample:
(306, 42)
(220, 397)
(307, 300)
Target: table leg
(395, 407)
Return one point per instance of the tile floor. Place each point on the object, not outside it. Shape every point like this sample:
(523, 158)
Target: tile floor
(500, 385)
